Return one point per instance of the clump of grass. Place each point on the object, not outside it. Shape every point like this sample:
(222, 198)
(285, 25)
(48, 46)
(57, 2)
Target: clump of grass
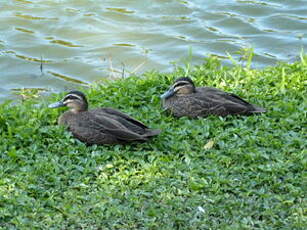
(211, 173)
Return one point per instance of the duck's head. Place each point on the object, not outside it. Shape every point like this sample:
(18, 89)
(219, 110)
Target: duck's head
(181, 87)
(75, 100)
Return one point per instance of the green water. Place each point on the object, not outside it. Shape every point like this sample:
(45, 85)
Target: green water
(81, 41)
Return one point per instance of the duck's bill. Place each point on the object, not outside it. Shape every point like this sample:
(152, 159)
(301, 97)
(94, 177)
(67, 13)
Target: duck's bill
(168, 93)
(56, 105)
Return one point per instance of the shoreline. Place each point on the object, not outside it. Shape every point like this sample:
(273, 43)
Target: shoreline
(218, 173)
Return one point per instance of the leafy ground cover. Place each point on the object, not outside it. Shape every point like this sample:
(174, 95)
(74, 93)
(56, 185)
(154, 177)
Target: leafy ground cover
(211, 173)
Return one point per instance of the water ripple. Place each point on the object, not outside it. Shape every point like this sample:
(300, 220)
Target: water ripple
(82, 41)
(66, 78)
(64, 43)
(121, 10)
(30, 17)
(24, 30)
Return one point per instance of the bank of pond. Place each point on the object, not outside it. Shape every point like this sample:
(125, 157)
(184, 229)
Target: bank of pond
(159, 151)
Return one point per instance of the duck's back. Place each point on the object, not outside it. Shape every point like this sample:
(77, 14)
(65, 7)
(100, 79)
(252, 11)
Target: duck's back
(207, 100)
(87, 128)
(125, 120)
(93, 130)
(191, 105)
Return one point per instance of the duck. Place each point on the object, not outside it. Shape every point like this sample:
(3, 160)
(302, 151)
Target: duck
(184, 99)
(101, 125)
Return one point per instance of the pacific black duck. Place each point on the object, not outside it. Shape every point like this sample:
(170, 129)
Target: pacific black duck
(184, 99)
(101, 125)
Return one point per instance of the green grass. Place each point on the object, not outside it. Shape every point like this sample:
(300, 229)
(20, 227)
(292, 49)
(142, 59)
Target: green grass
(211, 173)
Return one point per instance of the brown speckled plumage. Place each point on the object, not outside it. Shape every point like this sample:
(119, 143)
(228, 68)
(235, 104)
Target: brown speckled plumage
(184, 99)
(101, 125)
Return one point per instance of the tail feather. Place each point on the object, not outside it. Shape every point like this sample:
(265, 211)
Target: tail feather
(151, 132)
(257, 109)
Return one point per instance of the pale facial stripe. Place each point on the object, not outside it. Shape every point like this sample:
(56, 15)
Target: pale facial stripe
(181, 83)
(73, 95)
(75, 98)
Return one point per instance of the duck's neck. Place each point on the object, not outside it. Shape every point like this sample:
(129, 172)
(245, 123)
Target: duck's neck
(75, 110)
(78, 108)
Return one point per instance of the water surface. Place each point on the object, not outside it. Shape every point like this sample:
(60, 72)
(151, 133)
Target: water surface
(81, 41)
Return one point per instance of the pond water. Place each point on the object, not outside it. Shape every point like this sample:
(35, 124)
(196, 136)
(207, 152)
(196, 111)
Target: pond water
(81, 41)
